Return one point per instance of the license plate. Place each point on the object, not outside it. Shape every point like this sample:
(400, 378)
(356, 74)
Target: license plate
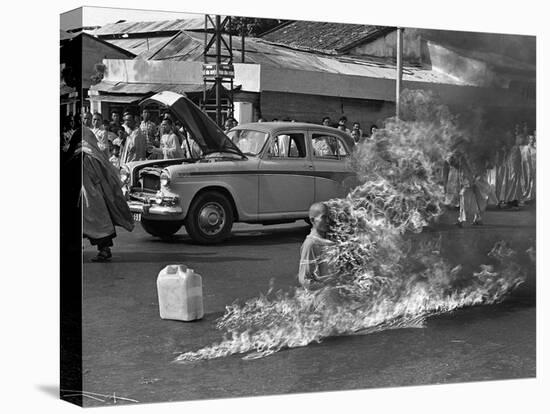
(137, 216)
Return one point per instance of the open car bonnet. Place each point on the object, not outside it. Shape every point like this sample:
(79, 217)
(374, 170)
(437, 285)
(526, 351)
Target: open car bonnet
(205, 131)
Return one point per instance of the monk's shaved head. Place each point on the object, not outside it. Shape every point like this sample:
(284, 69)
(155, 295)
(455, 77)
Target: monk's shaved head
(317, 209)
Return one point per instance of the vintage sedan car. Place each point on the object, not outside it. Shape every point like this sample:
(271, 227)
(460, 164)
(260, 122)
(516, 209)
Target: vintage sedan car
(266, 173)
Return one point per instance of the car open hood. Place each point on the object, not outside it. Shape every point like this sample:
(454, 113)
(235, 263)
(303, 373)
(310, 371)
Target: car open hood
(207, 134)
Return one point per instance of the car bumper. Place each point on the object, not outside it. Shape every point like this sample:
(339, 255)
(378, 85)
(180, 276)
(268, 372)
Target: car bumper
(152, 209)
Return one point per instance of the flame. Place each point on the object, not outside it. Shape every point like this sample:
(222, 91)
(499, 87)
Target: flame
(385, 280)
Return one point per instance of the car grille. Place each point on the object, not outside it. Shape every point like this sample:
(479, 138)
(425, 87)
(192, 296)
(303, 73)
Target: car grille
(149, 179)
(150, 182)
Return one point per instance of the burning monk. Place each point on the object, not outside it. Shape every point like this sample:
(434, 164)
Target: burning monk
(315, 273)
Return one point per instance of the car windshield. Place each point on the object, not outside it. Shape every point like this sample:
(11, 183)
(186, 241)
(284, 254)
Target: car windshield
(250, 142)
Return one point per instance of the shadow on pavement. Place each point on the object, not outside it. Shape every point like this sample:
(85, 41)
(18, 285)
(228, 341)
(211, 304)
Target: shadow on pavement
(256, 237)
(268, 237)
(155, 257)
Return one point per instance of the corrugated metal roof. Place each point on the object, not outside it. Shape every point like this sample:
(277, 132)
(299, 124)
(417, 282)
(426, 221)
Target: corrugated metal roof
(148, 27)
(146, 88)
(188, 46)
(182, 46)
(139, 45)
(321, 36)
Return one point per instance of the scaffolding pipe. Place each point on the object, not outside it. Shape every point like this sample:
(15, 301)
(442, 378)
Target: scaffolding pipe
(399, 74)
(242, 41)
(218, 76)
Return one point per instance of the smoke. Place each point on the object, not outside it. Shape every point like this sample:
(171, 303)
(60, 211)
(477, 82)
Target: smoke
(385, 280)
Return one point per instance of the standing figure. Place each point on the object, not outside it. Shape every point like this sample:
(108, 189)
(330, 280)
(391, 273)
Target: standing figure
(500, 174)
(372, 130)
(103, 204)
(115, 124)
(135, 146)
(473, 193)
(100, 133)
(110, 135)
(149, 129)
(489, 177)
(356, 135)
(514, 175)
(169, 147)
(86, 119)
(189, 146)
(529, 161)
(68, 131)
(357, 127)
(229, 123)
(451, 181)
(342, 124)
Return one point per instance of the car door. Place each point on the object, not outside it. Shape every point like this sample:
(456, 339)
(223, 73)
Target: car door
(287, 185)
(330, 156)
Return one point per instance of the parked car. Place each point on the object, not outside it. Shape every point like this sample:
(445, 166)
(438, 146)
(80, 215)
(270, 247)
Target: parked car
(268, 173)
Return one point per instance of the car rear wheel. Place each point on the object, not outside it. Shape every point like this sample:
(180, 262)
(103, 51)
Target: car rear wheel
(210, 218)
(162, 229)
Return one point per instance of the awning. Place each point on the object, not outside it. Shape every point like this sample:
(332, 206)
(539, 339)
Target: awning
(148, 88)
(127, 99)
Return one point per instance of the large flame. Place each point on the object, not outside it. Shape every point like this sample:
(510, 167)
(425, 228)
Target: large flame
(385, 280)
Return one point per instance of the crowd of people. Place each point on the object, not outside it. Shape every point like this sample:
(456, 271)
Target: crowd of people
(135, 138)
(506, 180)
(356, 132)
(138, 137)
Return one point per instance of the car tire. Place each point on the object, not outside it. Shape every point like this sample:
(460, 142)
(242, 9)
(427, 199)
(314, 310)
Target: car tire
(162, 229)
(210, 218)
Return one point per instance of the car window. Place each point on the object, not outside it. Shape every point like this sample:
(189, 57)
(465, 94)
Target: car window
(288, 146)
(328, 146)
(250, 142)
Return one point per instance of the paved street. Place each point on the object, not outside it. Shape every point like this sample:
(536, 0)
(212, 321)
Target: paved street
(128, 349)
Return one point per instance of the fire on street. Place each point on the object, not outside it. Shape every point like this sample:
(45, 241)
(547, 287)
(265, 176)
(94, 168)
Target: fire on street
(129, 350)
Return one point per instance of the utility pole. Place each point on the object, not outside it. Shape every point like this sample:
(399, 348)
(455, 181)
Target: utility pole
(218, 67)
(243, 34)
(399, 74)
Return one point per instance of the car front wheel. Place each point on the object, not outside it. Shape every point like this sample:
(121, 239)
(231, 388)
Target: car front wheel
(162, 229)
(210, 218)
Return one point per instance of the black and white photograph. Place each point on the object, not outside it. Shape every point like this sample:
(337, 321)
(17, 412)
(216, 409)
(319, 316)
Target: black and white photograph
(282, 206)
(265, 204)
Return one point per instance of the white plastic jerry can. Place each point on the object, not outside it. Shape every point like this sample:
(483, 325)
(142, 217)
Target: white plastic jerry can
(180, 293)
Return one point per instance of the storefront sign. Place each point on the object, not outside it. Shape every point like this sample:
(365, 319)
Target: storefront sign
(213, 71)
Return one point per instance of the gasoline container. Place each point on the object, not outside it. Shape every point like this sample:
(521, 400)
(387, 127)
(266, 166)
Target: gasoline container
(180, 293)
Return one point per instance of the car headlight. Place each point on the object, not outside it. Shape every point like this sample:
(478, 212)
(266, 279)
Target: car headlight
(164, 179)
(124, 175)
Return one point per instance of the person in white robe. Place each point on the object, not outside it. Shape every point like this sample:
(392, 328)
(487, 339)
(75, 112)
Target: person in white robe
(529, 160)
(170, 147)
(474, 192)
(513, 194)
